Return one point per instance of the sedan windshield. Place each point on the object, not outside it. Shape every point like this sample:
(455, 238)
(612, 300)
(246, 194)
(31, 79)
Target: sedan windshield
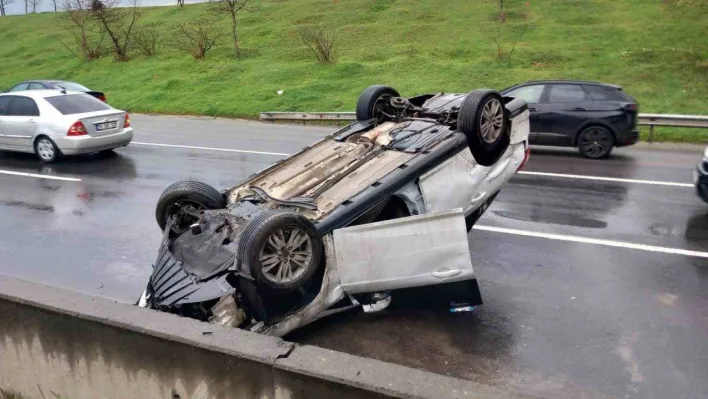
(70, 86)
(76, 104)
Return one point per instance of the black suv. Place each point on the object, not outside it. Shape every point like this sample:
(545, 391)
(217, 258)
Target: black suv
(595, 117)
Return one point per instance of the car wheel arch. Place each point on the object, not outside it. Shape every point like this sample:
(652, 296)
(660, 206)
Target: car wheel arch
(594, 122)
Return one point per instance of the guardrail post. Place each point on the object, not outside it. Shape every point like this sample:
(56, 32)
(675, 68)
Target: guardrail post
(651, 133)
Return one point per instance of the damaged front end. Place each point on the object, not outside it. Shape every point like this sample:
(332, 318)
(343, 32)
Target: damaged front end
(198, 274)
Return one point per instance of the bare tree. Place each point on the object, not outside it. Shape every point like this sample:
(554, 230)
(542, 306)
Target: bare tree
(196, 37)
(81, 26)
(117, 23)
(55, 5)
(145, 41)
(34, 4)
(180, 3)
(27, 6)
(231, 8)
(4, 3)
(320, 39)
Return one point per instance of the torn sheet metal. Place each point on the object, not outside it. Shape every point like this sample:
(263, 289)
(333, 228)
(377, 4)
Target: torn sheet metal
(330, 294)
(401, 253)
(458, 183)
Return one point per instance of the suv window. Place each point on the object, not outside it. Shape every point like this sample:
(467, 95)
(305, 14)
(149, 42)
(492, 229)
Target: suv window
(23, 106)
(5, 105)
(76, 104)
(36, 86)
(566, 94)
(530, 94)
(601, 93)
(20, 87)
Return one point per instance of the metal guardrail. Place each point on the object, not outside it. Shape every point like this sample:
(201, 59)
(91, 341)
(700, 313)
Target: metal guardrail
(651, 120)
(308, 116)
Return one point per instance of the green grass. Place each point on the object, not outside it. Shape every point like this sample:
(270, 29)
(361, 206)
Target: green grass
(657, 50)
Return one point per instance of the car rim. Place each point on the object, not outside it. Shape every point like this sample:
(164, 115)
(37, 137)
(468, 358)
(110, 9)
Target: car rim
(596, 142)
(286, 255)
(183, 209)
(491, 122)
(45, 149)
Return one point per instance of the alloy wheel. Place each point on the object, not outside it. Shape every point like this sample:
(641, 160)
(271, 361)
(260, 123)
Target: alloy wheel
(286, 255)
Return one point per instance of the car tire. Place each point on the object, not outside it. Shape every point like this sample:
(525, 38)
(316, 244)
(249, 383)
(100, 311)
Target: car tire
(369, 100)
(282, 250)
(187, 193)
(484, 120)
(595, 142)
(46, 150)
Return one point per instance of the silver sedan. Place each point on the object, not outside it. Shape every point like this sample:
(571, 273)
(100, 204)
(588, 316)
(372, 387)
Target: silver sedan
(51, 123)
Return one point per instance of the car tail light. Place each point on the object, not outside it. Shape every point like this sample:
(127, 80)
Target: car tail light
(77, 129)
(527, 155)
(631, 107)
(127, 121)
(102, 97)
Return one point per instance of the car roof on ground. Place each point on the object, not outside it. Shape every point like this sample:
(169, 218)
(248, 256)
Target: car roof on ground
(40, 93)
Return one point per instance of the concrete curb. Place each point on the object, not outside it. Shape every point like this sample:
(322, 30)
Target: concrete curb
(85, 347)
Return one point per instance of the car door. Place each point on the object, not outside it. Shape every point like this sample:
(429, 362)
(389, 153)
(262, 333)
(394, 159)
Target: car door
(533, 95)
(4, 110)
(565, 107)
(21, 123)
(426, 256)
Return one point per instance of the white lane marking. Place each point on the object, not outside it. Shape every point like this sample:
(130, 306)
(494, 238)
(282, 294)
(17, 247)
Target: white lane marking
(613, 179)
(9, 172)
(280, 154)
(596, 241)
(562, 175)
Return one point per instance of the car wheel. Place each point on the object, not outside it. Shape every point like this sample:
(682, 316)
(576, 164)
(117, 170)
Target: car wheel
(281, 249)
(371, 102)
(46, 150)
(595, 142)
(483, 120)
(184, 200)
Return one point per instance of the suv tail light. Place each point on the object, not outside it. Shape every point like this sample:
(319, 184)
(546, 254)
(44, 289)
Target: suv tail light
(77, 129)
(631, 107)
(127, 121)
(527, 155)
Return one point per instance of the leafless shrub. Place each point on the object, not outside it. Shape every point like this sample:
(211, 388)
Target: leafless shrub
(231, 8)
(145, 41)
(320, 39)
(4, 3)
(501, 43)
(90, 45)
(117, 23)
(195, 37)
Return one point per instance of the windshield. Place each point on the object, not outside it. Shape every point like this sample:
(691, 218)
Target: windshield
(70, 86)
(76, 104)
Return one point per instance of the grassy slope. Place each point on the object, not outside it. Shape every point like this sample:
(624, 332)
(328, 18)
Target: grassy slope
(657, 52)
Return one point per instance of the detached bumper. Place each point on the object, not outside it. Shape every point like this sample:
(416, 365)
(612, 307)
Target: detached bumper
(86, 144)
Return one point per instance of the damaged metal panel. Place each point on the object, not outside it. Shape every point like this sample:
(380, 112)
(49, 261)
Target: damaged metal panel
(401, 253)
(363, 177)
(457, 183)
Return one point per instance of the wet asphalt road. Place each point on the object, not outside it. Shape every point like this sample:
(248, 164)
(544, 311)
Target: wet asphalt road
(560, 319)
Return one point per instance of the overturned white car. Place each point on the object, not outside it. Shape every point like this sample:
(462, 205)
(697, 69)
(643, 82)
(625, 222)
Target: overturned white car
(376, 214)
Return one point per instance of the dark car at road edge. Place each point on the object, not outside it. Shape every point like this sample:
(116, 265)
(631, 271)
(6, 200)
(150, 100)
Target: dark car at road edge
(595, 117)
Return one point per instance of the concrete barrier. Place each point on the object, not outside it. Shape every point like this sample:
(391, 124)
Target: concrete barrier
(57, 343)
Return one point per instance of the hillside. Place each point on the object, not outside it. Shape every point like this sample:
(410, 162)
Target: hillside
(657, 50)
